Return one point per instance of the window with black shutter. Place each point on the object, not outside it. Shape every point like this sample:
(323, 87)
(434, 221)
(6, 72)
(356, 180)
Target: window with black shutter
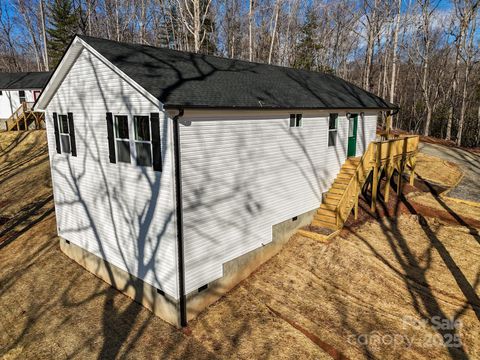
(144, 146)
(21, 96)
(296, 120)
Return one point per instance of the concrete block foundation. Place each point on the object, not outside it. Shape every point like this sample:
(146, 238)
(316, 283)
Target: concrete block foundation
(166, 307)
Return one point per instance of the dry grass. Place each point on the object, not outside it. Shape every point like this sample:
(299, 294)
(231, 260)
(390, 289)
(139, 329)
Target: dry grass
(438, 171)
(24, 171)
(309, 299)
(444, 203)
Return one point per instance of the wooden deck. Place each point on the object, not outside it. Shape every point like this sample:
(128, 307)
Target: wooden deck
(385, 156)
(24, 117)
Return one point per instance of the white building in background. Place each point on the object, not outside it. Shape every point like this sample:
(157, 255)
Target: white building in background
(175, 174)
(16, 88)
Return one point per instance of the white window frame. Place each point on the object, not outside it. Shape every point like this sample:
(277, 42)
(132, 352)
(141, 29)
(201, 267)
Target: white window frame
(335, 130)
(127, 140)
(62, 134)
(135, 141)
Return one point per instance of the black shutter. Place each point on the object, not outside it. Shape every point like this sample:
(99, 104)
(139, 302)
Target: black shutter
(73, 143)
(111, 138)
(156, 141)
(57, 133)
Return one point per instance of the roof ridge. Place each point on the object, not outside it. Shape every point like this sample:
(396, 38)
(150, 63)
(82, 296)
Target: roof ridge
(201, 54)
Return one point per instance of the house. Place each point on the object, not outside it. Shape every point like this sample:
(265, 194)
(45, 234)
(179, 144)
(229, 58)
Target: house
(18, 88)
(175, 174)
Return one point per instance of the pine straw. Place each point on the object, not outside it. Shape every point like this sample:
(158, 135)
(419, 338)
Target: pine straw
(368, 283)
(437, 170)
(460, 210)
(309, 299)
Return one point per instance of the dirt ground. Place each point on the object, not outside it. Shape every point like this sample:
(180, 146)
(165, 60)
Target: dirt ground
(382, 289)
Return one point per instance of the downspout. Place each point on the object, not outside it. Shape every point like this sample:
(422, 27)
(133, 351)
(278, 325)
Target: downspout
(179, 214)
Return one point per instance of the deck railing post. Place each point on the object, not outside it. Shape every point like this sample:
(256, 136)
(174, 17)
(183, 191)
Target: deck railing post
(375, 176)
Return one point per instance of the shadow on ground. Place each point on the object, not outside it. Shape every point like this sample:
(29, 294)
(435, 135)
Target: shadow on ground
(373, 292)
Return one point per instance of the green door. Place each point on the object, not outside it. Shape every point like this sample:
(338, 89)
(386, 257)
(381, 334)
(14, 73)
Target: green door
(352, 135)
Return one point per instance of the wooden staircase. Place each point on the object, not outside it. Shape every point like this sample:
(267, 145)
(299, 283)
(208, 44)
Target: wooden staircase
(24, 117)
(326, 215)
(380, 156)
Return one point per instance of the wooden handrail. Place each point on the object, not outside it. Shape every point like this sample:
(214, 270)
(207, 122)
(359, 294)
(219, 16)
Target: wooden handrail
(24, 109)
(377, 152)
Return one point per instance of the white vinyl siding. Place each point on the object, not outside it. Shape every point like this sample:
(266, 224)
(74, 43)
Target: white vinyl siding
(244, 173)
(10, 102)
(366, 131)
(120, 212)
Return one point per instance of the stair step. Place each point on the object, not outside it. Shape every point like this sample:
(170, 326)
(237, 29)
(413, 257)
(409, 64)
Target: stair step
(336, 191)
(326, 212)
(348, 170)
(340, 186)
(330, 200)
(328, 207)
(344, 176)
(332, 195)
(328, 219)
(324, 224)
(342, 181)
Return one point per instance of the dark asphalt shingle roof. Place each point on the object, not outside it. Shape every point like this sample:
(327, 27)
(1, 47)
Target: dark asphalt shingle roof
(182, 79)
(24, 80)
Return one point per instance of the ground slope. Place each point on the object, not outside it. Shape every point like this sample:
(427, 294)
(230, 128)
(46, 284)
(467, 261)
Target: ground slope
(367, 294)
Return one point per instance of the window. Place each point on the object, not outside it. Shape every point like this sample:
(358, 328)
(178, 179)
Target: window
(21, 96)
(64, 133)
(332, 129)
(1, 92)
(296, 120)
(122, 139)
(143, 143)
(351, 126)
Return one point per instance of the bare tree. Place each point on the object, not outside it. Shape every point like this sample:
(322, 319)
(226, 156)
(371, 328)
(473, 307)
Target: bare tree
(193, 15)
(468, 54)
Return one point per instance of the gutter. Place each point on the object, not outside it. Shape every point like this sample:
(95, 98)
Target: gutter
(179, 214)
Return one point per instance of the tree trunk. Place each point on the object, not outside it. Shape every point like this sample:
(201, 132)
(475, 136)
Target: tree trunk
(250, 31)
(274, 30)
(426, 97)
(461, 120)
(196, 25)
(394, 53)
(44, 36)
(26, 17)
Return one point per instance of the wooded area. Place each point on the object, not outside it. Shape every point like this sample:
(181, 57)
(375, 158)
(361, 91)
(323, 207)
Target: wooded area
(422, 55)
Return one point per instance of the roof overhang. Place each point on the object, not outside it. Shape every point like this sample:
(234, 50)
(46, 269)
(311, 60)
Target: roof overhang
(199, 107)
(68, 59)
